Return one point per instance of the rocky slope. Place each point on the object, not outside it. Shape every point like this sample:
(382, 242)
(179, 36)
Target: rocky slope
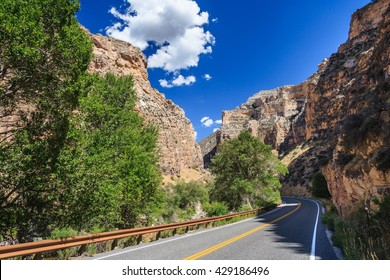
(179, 151)
(338, 121)
(349, 110)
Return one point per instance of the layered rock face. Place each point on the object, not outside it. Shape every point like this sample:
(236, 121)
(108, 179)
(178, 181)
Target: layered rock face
(338, 121)
(349, 110)
(176, 141)
(208, 147)
(275, 116)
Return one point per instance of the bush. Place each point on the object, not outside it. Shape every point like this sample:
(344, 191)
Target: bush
(320, 186)
(187, 194)
(360, 238)
(382, 159)
(61, 233)
(216, 209)
(343, 158)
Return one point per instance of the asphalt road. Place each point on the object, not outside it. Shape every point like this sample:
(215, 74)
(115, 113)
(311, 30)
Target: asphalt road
(293, 231)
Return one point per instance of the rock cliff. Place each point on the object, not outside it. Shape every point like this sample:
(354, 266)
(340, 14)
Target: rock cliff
(179, 151)
(208, 147)
(349, 111)
(338, 121)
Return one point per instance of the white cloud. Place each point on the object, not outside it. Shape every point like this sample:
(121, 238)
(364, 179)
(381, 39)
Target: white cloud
(204, 119)
(215, 129)
(165, 84)
(218, 121)
(181, 80)
(178, 81)
(174, 26)
(207, 122)
(195, 134)
(214, 20)
(207, 77)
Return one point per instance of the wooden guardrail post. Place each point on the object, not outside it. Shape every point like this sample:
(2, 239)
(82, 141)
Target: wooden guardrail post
(114, 244)
(174, 232)
(158, 235)
(83, 249)
(139, 239)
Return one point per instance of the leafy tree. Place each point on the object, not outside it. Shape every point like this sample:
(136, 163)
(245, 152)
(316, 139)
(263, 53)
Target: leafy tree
(43, 54)
(246, 172)
(320, 186)
(187, 194)
(216, 209)
(107, 172)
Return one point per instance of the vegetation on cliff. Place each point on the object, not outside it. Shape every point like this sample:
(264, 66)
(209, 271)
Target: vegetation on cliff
(365, 234)
(246, 173)
(320, 186)
(78, 155)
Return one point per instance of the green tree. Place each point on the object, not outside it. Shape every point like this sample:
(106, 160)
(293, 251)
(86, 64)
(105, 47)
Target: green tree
(43, 54)
(246, 172)
(320, 186)
(107, 173)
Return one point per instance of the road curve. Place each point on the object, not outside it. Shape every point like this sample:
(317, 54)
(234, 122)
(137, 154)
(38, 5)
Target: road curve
(293, 231)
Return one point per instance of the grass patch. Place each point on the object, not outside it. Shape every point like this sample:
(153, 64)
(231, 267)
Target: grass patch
(361, 238)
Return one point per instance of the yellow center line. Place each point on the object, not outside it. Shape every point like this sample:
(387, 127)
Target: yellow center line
(234, 239)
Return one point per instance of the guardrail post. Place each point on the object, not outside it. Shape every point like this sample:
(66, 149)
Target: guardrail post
(114, 244)
(187, 229)
(83, 249)
(37, 256)
(174, 232)
(139, 239)
(158, 235)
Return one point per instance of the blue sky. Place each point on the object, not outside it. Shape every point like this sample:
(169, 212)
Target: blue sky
(243, 46)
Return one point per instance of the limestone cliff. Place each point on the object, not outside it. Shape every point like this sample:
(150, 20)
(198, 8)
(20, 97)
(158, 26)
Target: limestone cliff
(349, 111)
(338, 121)
(179, 151)
(208, 147)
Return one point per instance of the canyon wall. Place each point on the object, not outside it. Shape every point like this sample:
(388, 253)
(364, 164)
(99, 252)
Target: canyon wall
(337, 122)
(179, 151)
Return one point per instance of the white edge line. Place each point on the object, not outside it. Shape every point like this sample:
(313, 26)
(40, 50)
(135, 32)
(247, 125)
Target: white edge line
(313, 243)
(181, 237)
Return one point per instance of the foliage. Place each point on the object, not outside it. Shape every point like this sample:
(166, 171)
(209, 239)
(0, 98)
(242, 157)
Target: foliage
(344, 158)
(43, 53)
(107, 173)
(60, 233)
(382, 159)
(247, 172)
(179, 201)
(216, 209)
(320, 186)
(357, 127)
(187, 194)
(360, 236)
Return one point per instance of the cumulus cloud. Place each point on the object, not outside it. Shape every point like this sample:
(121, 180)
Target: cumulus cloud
(214, 20)
(178, 81)
(218, 121)
(207, 77)
(207, 121)
(176, 27)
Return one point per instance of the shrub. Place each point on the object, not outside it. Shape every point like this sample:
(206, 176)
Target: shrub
(344, 158)
(216, 209)
(320, 186)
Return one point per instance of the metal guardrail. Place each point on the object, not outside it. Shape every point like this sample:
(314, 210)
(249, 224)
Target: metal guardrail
(36, 248)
